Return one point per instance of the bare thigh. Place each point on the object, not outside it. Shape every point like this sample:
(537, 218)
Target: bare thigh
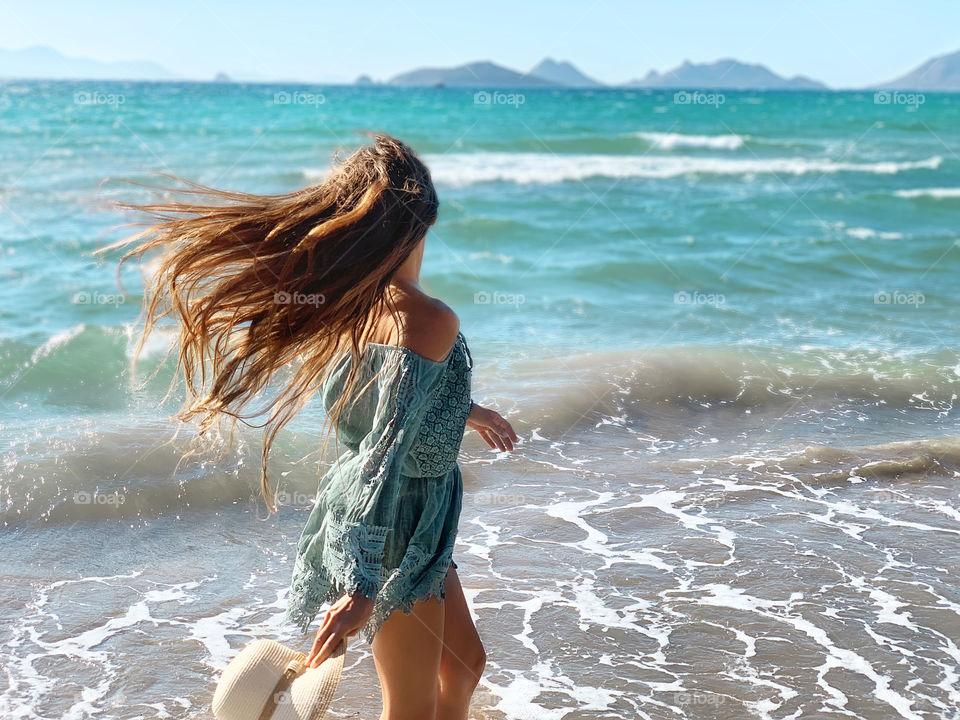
(406, 652)
(463, 652)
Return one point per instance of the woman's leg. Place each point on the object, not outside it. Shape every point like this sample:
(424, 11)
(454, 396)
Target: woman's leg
(406, 652)
(463, 658)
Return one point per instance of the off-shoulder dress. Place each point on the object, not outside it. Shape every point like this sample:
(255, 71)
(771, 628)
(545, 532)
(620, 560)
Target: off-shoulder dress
(385, 520)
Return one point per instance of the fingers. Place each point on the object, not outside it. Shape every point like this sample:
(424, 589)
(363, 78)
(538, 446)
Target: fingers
(496, 430)
(330, 629)
(328, 637)
(486, 438)
(331, 642)
(491, 439)
(504, 430)
(318, 642)
(504, 426)
(320, 639)
(346, 617)
(494, 439)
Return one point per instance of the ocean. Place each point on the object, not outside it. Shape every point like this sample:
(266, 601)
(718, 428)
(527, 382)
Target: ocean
(724, 326)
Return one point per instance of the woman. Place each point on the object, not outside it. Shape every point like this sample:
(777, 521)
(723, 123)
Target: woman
(329, 277)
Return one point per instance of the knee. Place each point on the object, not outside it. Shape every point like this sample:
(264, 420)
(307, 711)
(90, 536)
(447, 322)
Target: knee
(466, 666)
(477, 661)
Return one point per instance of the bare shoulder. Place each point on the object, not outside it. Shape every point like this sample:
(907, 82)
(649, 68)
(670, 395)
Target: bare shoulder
(431, 328)
(428, 326)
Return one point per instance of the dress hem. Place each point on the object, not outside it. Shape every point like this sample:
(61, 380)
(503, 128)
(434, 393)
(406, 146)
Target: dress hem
(313, 588)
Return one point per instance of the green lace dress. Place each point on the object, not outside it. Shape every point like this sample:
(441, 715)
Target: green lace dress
(386, 517)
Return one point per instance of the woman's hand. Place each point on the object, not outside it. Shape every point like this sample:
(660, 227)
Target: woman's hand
(344, 618)
(493, 428)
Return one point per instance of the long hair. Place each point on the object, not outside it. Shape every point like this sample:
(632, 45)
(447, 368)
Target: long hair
(256, 282)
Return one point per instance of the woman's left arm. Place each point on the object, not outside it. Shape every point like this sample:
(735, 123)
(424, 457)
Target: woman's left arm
(495, 429)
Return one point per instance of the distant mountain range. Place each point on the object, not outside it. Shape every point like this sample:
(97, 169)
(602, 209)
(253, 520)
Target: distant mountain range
(725, 74)
(941, 73)
(722, 74)
(40, 61)
(474, 74)
(563, 73)
(546, 73)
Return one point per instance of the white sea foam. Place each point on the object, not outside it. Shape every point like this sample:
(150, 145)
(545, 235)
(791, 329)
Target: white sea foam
(670, 141)
(157, 344)
(836, 657)
(56, 341)
(462, 169)
(499, 257)
(935, 193)
(864, 233)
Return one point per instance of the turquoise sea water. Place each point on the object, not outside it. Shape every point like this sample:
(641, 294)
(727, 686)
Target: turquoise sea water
(596, 207)
(727, 331)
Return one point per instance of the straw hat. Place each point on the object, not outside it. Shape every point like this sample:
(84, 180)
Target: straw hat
(269, 681)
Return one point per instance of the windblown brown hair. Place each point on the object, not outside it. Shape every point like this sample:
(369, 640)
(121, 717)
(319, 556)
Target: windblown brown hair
(257, 282)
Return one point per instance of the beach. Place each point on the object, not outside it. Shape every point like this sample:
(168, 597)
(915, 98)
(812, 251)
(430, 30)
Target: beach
(725, 332)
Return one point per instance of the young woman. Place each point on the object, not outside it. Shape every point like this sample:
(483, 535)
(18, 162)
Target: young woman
(327, 279)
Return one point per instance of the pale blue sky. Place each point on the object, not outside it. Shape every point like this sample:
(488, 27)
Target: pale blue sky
(844, 44)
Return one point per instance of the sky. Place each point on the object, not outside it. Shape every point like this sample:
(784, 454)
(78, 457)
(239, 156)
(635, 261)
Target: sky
(845, 43)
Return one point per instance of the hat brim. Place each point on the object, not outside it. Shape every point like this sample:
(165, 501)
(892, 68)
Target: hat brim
(311, 693)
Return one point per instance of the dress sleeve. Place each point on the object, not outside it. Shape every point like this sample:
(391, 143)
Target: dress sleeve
(371, 491)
